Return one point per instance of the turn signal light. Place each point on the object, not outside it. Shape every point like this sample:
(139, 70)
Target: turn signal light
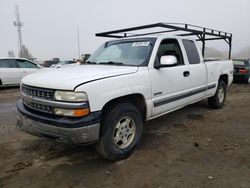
(81, 112)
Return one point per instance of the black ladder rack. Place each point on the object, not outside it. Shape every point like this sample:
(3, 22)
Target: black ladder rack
(203, 34)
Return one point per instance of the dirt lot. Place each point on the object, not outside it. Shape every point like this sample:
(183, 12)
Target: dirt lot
(192, 147)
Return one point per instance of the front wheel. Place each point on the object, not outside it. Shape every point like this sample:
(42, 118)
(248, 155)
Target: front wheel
(121, 131)
(218, 100)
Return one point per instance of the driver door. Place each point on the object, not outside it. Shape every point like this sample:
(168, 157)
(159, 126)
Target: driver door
(170, 85)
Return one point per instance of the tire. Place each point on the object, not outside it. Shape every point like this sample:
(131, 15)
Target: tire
(121, 131)
(218, 100)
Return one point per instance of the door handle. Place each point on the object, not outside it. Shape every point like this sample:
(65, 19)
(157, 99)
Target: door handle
(186, 73)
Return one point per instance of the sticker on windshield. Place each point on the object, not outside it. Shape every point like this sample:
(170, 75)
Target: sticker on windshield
(135, 44)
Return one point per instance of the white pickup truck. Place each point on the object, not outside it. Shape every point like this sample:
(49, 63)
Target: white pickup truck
(123, 84)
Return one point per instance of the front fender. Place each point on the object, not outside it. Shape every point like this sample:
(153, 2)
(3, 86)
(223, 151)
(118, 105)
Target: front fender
(102, 91)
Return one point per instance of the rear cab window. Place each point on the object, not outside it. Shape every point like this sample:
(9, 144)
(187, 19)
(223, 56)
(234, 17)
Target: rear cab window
(191, 51)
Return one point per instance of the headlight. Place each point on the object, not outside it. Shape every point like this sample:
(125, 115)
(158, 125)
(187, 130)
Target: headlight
(70, 96)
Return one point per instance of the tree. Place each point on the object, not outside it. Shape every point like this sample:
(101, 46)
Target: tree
(11, 53)
(25, 53)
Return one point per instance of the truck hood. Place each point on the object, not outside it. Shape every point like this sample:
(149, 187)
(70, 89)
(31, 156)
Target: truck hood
(68, 78)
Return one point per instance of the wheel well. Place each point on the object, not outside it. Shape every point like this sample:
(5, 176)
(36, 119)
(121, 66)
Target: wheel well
(1, 82)
(136, 99)
(224, 78)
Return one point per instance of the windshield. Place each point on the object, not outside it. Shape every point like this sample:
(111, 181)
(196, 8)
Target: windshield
(125, 52)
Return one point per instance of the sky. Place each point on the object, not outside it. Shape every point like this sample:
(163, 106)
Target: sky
(50, 26)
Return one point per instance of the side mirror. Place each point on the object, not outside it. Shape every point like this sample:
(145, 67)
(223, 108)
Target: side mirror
(167, 61)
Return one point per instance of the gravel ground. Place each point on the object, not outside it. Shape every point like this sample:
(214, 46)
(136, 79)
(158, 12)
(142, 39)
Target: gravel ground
(192, 147)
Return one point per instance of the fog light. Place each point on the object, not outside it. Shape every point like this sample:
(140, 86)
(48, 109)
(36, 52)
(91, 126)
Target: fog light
(72, 112)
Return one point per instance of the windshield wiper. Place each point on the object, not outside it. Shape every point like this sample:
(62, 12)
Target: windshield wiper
(110, 63)
(90, 62)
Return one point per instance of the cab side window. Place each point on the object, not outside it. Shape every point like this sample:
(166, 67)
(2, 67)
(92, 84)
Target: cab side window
(8, 63)
(192, 52)
(170, 47)
(26, 64)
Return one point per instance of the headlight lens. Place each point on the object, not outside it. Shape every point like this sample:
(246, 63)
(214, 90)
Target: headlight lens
(70, 96)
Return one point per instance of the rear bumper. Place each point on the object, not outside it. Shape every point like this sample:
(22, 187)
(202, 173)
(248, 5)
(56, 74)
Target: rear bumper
(80, 131)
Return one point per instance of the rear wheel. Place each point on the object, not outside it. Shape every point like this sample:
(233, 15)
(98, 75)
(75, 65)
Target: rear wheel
(121, 131)
(218, 100)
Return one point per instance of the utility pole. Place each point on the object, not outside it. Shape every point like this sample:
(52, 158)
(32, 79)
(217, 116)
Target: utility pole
(78, 43)
(18, 24)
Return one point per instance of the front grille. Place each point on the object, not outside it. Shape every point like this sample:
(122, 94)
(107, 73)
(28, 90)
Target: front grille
(41, 93)
(38, 107)
(38, 92)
